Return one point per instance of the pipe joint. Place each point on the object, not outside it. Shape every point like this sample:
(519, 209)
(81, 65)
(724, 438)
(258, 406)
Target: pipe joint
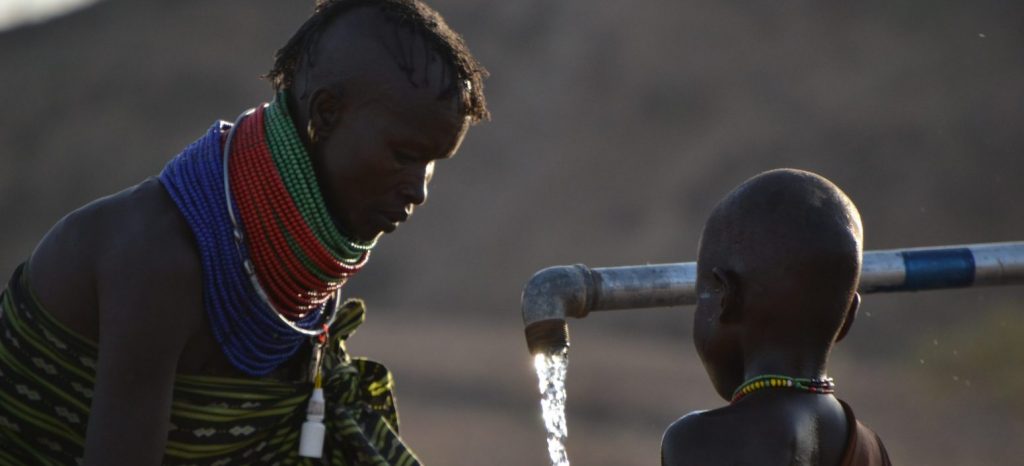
(556, 293)
(551, 296)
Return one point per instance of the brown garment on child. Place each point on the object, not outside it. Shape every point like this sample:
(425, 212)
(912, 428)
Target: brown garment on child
(863, 447)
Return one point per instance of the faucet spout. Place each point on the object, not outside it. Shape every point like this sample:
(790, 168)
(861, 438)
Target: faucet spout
(552, 295)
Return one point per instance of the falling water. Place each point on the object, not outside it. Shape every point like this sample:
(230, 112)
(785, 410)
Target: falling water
(551, 369)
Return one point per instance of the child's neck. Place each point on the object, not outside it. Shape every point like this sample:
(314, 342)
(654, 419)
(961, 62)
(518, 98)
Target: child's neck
(786, 362)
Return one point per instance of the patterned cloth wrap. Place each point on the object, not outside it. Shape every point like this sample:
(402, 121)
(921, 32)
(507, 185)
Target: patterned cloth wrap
(47, 375)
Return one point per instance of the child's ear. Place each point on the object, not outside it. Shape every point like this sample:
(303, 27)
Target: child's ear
(731, 302)
(851, 315)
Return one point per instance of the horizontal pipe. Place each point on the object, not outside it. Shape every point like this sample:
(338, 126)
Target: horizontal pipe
(921, 269)
(640, 286)
(574, 291)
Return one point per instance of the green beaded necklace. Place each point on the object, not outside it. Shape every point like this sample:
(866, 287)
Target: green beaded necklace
(297, 259)
(296, 169)
(822, 386)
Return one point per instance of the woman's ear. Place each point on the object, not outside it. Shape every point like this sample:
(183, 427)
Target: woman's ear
(851, 315)
(325, 111)
(732, 300)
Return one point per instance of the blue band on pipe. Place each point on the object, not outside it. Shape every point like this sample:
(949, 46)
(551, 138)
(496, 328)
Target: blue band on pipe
(941, 268)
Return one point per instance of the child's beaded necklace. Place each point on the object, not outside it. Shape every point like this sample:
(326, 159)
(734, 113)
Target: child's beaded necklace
(821, 386)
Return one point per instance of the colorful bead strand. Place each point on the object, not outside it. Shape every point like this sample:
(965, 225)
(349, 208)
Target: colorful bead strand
(822, 386)
(296, 168)
(273, 261)
(254, 337)
(263, 203)
(284, 279)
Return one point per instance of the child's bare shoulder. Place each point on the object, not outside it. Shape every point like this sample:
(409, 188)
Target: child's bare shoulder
(696, 438)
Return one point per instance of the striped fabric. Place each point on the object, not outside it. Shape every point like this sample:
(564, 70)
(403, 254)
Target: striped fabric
(46, 380)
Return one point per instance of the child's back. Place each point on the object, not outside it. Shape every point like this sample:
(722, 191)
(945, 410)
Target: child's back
(778, 268)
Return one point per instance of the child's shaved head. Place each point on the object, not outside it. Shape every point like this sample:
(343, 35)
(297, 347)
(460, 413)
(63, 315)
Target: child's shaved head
(778, 267)
(777, 277)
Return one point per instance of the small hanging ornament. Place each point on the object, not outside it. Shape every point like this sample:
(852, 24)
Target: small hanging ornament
(311, 440)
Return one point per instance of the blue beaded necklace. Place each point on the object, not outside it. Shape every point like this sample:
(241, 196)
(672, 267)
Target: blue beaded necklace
(252, 335)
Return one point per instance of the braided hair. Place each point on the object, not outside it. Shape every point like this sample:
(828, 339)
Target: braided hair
(413, 15)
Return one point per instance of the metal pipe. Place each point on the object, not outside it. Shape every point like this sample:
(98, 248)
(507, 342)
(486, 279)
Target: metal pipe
(919, 269)
(556, 293)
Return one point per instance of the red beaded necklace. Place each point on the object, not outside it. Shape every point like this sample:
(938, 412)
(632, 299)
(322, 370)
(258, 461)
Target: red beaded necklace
(296, 270)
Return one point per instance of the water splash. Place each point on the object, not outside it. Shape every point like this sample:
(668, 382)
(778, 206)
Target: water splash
(551, 369)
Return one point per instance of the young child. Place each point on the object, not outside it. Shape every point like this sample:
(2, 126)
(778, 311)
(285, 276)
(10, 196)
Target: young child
(777, 273)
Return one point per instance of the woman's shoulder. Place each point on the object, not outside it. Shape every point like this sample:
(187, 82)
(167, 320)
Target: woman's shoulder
(133, 244)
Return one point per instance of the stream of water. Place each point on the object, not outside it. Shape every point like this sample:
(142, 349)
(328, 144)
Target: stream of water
(551, 369)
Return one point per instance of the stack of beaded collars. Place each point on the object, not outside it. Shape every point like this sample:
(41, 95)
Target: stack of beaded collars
(273, 262)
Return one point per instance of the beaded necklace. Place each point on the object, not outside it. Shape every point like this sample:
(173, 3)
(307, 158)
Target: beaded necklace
(278, 201)
(821, 386)
(273, 262)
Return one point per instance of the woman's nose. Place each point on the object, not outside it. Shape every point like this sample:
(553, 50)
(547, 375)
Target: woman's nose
(416, 192)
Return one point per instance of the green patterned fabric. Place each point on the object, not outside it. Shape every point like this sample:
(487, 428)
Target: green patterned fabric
(47, 375)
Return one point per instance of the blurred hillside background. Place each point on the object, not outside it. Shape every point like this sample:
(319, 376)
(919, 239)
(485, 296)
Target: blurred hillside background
(617, 126)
